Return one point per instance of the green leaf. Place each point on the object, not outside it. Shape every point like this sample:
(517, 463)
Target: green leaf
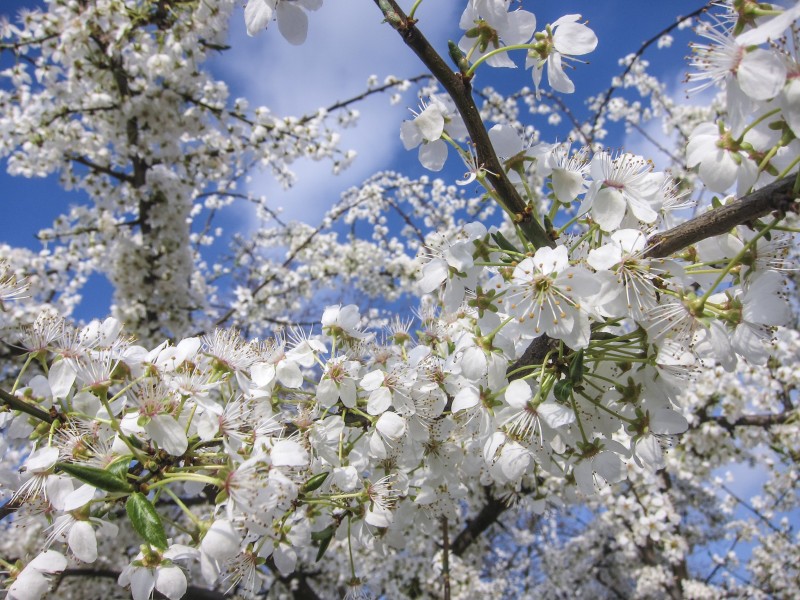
(325, 536)
(120, 466)
(576, 368)
(315, 482)
(100, 478)
(145, 520)
(563, 390)
(503, 242)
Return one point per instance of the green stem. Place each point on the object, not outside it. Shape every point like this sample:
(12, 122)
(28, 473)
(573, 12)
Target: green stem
(471, 71)
(350, 550)
(578, 417)
(413, 9)
(170, 478)
(733, 262)
(568, 224)
(757, 121)
(116, 427)
(788, 170)
(24, 368)
(183, 507)
(767, 157)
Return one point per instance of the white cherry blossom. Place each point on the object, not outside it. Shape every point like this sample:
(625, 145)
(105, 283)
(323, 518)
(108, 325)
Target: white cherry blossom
(565, 38)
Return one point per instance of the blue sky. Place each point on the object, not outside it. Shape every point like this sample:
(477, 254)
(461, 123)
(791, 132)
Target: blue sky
(347, 43)
(344, 47)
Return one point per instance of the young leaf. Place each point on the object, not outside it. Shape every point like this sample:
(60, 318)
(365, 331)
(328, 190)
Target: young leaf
(145, 520)
(562, 390)
(120, 466)
(325, 536)
(102, 479)
(315, 482)
(576, 368)
(503, 242)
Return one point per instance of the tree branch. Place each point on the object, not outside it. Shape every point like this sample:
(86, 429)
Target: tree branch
(762, 421)
(487, 517)
(10, 507)
(460, 90)
(777, 196)
(19, 404)
(297, 583)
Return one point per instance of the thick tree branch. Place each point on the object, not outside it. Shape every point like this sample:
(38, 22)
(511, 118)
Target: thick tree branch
(10, 507)
(777, 196)
(460, 90)
(534, 355)
(19, 404)
(297, 583)
(487, 517)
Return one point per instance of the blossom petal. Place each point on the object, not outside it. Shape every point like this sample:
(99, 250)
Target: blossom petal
(391, 425)
(557, 77)
(142, 582)
(430, 122)
(574, 39)
(83, 542)
(49, 561)
(288, 453)
(433, 155)
(292, 23)
(555, 415)
(171, 582)
(664, 421)
(222, 541)
(257, 15)
(168, 434)
(761, 74)
(30, 584)
(608, 208)
(518, 394)
(466, 398)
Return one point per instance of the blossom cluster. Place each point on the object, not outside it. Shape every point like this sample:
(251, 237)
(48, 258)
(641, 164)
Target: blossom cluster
(542, 373)
(117, 102)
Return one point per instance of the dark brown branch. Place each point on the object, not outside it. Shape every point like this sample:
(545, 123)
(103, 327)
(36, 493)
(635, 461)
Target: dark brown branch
(776, 197)
(534, 355)
(19, 404)
(762, 421)
(487, 517)
(10, 507)
(296, 583)
(459, 88)
(82, 160)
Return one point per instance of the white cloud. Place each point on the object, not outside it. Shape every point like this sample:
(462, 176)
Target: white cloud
(344, 47)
